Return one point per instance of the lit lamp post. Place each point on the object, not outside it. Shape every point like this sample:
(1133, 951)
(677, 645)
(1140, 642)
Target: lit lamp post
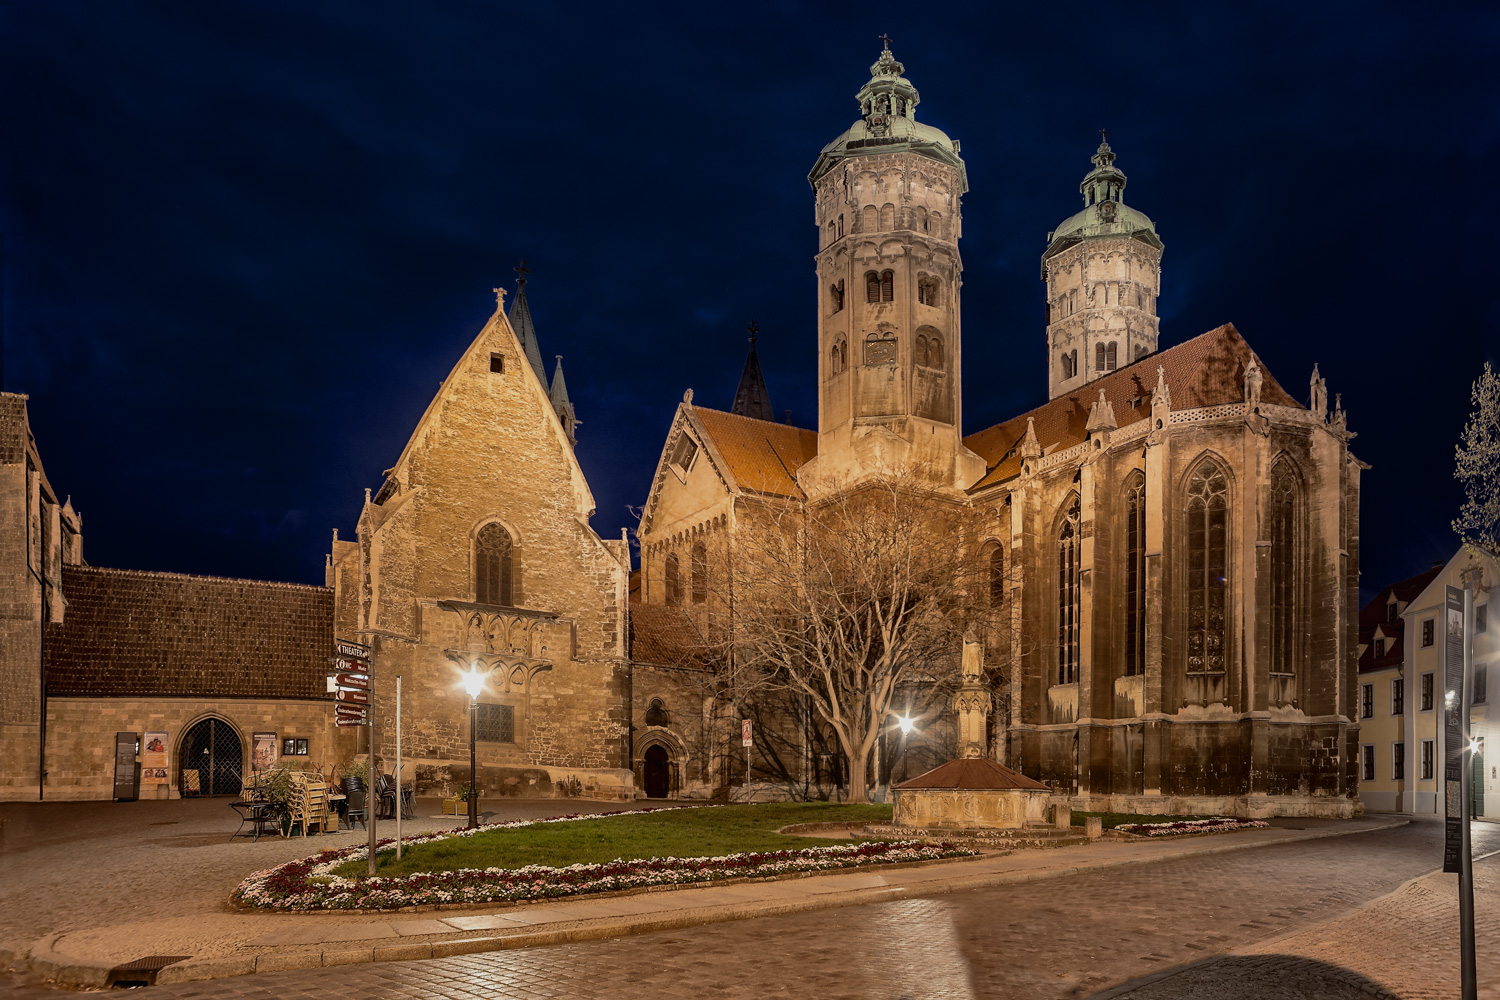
(907, 725)
(473, 683)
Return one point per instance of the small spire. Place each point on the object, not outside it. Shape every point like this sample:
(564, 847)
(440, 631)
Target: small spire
(1162, 396)
(752, 399)
(520, 321)
(1030, 447)
(562, 404)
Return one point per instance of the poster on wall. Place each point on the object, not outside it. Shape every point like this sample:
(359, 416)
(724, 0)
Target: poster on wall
(154, 756)
(263, 751)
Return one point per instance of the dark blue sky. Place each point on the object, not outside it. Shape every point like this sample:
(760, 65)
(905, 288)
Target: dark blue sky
(245, 242)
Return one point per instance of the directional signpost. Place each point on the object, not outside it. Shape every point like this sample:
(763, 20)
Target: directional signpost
(353, 682)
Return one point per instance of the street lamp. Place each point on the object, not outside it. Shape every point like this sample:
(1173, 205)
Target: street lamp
(907, 724)
(473, 683)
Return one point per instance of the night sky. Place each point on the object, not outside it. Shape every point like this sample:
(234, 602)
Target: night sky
(244, 242)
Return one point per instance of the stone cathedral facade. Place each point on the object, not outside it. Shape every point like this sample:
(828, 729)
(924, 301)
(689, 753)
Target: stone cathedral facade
(1172, 539)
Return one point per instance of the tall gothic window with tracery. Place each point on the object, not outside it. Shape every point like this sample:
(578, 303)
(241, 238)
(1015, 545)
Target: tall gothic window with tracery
(494, 566)
(1283, 568)
(1067, 592)
(1208, 549)
(1135, 574)
(995, 572)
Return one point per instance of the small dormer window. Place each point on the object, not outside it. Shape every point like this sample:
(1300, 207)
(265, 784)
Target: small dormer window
(684, 452)
(1377, 647)
(1392, 611)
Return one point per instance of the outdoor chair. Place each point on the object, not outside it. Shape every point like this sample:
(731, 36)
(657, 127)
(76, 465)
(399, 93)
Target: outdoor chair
(354, 789)
(191, 784)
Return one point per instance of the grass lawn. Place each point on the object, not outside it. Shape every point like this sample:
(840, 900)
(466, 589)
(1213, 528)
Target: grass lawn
(672, 833)
(1112, 820)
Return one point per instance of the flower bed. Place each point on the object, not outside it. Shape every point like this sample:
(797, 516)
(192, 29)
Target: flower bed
(1215, 825)
(309, 883)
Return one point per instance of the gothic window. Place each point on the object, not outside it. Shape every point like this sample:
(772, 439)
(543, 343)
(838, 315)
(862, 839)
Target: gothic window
(494, 566)
(867, 218)
(495, 723)
(656, 713)
(887, 217)
(674, 581)
(836, 296)
(1283, 516)
(830, 237)
(1207, 513)
(872, 286)
(841, 225)
(700, 573)
(1135, 574)
(838, 356)
(887, 286)
(1068, 604)
(995, 572)
(1110, 356)
(1098, 357)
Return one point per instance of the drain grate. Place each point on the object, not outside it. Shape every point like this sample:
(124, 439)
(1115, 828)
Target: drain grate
(141, 971)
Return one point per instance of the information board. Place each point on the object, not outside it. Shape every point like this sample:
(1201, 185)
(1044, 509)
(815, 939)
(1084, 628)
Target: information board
(1455, 705)
(125, 766)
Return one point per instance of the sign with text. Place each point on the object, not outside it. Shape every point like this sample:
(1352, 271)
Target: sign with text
(353, 650)
(745, 738)
(154, 756)
(1455, 702)
(350, 715)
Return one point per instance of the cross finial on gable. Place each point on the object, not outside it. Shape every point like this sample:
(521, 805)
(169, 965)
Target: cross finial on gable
(886, 39)
(499, 297)
(522, 270)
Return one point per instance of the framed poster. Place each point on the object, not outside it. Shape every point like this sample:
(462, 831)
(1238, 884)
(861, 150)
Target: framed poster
(262, 751)
(154, 756)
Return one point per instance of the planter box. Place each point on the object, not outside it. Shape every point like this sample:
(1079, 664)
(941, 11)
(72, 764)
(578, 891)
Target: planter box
(458, 806)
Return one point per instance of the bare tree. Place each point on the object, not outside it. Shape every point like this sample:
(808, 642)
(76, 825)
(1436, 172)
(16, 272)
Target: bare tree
(1478, 468)
(841, 600)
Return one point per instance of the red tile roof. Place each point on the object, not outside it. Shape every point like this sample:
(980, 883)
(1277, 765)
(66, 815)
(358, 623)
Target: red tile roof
(666, 636)
(139, 634)
(762, 456)
(1374, 615)
(972, 772)
(1206, 371)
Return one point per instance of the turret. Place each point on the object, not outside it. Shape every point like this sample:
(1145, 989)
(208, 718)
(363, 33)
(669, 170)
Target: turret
(1103, 273)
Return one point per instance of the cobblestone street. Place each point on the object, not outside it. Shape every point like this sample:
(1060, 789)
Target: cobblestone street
(1311, 919)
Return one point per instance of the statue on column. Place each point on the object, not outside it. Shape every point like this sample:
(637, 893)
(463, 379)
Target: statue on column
(972, 703)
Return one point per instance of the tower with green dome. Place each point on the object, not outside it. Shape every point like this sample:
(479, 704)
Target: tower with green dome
(887, 196)
(1103, 273)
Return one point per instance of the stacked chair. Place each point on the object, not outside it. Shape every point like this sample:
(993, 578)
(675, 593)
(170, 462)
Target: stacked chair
(309, 804)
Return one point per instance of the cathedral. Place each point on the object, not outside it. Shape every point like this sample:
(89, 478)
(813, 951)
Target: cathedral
(1172, 538)
(1170, 542)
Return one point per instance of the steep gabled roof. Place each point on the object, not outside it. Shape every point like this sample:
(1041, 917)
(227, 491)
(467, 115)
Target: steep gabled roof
(1206, 371)
(972, 772)
(760, 455)
(1374, 616)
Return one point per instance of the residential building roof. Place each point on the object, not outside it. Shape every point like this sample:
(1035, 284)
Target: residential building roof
(1375, 617)
(1208, 370)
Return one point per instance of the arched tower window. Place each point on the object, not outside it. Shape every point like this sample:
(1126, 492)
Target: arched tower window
(1135, 574)
(494, 566)
(927, 290)
(872, 286)
(700, 573)
(1283, 568)
(674, 580)
(1068, 597)
(836, 296)
(656, 713)
(1207, 513)
(887, 217)
(867, 219)
(1098, 357)
(841, 225)
(887, 286)
(1111, 354)
(922, 221)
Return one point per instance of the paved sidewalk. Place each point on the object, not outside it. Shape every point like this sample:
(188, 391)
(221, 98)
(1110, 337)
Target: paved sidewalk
(231, 943)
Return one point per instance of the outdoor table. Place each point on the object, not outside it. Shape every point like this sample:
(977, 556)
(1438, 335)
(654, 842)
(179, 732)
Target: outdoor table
(260, 814)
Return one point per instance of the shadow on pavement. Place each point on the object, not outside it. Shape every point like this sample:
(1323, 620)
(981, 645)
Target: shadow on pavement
(1252, 977)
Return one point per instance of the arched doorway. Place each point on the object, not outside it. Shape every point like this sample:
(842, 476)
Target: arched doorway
(213, 749)
(657, 774)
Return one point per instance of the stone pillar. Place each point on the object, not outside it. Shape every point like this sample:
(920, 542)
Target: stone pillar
(1154, 690)
(1083, 715)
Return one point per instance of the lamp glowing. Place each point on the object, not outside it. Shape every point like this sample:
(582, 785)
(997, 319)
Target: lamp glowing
(1474, 746)
(473, 683)
(906, 724)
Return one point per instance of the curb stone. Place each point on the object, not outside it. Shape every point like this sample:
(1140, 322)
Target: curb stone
(72, 972)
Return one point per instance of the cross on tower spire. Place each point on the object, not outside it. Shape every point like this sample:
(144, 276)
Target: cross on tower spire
(521, 271)
(752, 329)
(886, 39)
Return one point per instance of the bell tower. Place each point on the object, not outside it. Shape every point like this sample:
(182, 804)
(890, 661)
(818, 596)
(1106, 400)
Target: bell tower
(887, 198)
(1103, 273)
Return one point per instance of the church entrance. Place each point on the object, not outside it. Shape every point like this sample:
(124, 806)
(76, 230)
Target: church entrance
(210, 759)
(658, 772)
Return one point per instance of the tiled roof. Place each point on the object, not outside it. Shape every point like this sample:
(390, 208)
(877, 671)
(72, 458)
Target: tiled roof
(762, 456)
(1373, 615)
(972, 772)
(137, 634)
(1206, 371)
(666, 636)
